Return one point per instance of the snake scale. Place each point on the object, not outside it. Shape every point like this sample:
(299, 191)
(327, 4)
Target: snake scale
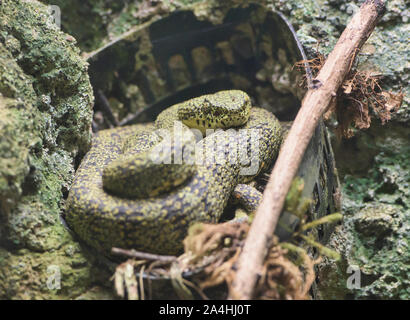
(120, 199)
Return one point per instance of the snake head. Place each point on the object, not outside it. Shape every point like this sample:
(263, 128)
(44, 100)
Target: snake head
(222, 110)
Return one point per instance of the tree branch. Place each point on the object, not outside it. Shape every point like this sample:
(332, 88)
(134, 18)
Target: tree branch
(143, 255)
(314, 105)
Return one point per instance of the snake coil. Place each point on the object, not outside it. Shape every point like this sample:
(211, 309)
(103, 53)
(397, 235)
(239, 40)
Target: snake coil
(121, 197)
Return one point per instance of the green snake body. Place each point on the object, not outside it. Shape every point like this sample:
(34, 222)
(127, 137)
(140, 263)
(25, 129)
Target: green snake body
(159, 222)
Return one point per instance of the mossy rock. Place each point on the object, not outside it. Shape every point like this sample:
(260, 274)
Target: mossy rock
(45, 120)
(375, 243)
(376, 230)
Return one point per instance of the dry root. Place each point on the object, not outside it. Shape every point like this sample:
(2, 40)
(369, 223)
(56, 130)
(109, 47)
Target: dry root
(359, 99)
(214, 249)
(282, 277)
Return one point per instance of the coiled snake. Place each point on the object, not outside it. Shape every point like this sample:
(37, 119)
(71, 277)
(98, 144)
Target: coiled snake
(122, 197)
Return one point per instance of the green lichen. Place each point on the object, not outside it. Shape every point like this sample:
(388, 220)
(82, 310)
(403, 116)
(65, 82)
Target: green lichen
(88, 21)
(376, 228)
(376, 241)
(98, 293)
(62, 273)
(45, 118)
(379, 172)
(95, 22)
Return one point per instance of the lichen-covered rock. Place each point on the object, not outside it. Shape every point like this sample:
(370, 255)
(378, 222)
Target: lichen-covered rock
(95, 22)
(45, 118)
(88, 21)
(375, 232)
(64, 272)
(374, 243)
(387, 51)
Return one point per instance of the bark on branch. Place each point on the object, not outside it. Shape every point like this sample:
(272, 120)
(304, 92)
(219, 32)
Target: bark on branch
(314, 105)
(143, 255)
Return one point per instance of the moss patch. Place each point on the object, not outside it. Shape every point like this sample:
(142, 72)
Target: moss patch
(45, 118)
(376, 229)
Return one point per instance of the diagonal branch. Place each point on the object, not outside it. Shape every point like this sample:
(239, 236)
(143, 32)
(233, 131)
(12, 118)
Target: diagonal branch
(314, 105)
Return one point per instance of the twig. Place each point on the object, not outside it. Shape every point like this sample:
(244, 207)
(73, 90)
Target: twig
(143, 255)
(106, 108)
(314, 105)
